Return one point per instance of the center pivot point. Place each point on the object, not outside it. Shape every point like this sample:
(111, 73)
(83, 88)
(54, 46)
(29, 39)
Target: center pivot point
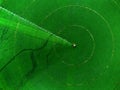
(74, 45)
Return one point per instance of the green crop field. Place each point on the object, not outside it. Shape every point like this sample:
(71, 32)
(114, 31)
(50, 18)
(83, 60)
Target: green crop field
(59, 44)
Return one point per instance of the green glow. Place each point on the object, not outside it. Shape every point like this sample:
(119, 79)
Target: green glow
(77, 48)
